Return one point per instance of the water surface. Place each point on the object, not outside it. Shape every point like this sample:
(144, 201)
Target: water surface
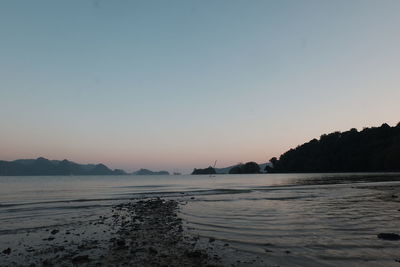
(327, 219)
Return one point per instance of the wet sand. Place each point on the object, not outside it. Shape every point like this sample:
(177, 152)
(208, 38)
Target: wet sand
(147, 232)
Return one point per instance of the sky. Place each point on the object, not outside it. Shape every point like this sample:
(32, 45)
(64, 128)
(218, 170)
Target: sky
(179, 84)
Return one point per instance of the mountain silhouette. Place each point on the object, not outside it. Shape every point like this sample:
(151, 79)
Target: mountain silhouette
(149, 172)
(43, 166)
(373, 149)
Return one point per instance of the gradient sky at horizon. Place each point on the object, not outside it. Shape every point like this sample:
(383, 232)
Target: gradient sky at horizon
(179, 84)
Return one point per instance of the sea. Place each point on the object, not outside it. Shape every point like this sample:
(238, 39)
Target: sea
(296, 219)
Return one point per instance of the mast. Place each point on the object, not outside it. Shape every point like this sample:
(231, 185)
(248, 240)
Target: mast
(215, 163)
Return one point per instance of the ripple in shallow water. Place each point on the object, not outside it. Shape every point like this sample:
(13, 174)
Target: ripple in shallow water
(327, 225)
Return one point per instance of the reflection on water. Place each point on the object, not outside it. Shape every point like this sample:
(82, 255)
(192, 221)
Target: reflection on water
(328, 222)
(345, 178)
(325, 218)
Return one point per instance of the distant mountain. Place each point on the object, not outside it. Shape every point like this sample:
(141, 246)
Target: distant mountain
(148, 172)
(42, 166)
(226, 170)
(209, 170)
(370, 150)
(247, 168)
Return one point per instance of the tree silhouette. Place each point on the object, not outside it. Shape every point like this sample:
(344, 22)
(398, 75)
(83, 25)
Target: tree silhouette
(209, 170)
(247, 168)
(372, 149)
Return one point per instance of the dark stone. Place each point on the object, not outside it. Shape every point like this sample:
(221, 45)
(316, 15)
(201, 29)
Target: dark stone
(389, 236)
(121, 243)
(47, 263)
(153, 250)
(7, 251)
(55, 231)
(194, 254)
(80, 259)
(268, 244)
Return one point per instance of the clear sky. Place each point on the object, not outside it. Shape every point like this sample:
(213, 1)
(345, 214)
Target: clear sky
(179, 84)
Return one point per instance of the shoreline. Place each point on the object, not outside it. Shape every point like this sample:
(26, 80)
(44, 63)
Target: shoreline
(145, 232)
(153, 232)
(141, 233)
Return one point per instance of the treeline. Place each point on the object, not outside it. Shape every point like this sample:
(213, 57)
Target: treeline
(370, 150)
(247, 168)
(209, 170)
(42, 166)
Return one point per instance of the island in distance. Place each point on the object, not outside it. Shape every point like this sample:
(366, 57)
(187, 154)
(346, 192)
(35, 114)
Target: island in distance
(149, 172)
(246, 168)
(43, 166)
(375, 149)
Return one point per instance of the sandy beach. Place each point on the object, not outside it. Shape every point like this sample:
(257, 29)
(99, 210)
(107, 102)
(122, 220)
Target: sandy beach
(156, 231)
(145, 232)
(199, 133)
(142, 233)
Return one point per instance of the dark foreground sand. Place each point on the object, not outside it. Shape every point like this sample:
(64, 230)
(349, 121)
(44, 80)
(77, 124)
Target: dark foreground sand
(147, 232)
(139, 233)
(151, 234)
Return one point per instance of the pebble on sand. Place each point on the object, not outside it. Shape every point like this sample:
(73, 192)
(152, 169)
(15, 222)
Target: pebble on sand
(389, 236)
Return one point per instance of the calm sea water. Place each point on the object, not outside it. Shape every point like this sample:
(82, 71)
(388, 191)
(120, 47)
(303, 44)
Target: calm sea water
(326, 219)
